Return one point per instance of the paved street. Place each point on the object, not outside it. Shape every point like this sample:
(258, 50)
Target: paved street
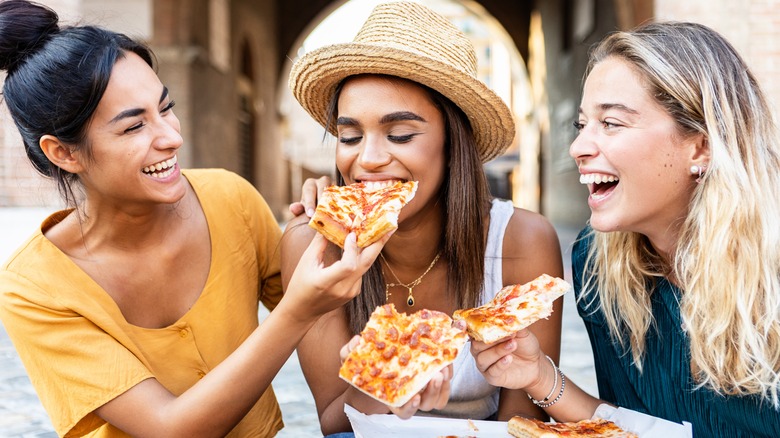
(21, 415)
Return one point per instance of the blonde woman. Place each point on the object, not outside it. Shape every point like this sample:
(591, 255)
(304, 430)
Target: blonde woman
(677, 275)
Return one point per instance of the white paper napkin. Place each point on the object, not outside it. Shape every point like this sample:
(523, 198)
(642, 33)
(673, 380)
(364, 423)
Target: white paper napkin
(645, 426)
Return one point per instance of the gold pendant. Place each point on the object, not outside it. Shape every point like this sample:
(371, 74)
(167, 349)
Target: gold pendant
(410, 299)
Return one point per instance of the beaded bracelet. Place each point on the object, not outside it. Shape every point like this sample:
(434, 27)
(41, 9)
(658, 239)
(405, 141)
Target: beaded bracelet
(545, 403)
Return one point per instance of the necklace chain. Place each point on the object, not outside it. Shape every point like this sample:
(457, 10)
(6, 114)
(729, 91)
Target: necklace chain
(409, 286)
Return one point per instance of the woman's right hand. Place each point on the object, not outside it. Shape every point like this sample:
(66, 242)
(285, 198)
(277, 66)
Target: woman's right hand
(514, 363)
(311, 192)
(315, 289)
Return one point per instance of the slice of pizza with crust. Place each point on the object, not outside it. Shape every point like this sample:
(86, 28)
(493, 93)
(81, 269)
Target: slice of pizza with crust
(398, 354)
(369, 209)
(513, 308)
(521, 427)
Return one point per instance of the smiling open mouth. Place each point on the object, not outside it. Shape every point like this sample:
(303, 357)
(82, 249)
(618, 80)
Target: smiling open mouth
(162, 169)
(599, 184)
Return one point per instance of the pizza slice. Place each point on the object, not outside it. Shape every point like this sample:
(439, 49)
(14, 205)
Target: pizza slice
(521, 427)
(398, 354)
(513, 308)
(369, 209)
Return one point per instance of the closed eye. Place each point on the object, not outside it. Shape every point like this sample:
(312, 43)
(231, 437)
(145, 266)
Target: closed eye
(134, 127)
(350, 140)
(168, 107)
(401, 138)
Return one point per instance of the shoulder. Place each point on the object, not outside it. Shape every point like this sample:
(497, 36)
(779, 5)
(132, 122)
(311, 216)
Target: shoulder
(222, 192)
(530, 230)
(216, 181)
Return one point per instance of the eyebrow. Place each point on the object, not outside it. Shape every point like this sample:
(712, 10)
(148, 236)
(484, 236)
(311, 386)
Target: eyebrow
(132, 112)
(615, 106)
(398, 116)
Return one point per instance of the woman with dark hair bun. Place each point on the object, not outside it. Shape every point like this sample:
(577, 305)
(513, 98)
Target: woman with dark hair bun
(134, 311)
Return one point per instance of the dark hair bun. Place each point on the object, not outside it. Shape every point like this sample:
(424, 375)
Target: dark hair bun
(24, 26)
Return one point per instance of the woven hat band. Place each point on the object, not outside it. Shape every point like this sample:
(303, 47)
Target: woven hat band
(416, 31)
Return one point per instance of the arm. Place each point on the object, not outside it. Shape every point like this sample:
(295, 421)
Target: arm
(214, 405)
(318, 352)
(520, 363)
(531, 248)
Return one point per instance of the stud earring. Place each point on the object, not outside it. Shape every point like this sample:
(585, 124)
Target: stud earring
(698, 171)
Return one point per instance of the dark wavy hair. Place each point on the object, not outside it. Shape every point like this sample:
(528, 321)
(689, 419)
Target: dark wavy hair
(56, 77)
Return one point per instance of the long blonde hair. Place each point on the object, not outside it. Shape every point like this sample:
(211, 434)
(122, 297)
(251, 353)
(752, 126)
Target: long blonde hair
(727, 261)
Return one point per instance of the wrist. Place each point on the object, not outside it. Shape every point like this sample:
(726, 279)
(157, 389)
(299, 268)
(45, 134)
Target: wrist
(550, 376)
(545, 379)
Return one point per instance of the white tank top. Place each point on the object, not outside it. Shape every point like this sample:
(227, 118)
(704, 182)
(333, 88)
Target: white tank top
(471, 396)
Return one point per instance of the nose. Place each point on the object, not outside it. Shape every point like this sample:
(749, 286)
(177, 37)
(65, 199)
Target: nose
(373, 153)
(583, 146)
(168, 133)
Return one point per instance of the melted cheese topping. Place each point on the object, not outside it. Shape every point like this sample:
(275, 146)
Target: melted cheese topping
(364, 210)
(513, 308)
(398, 353)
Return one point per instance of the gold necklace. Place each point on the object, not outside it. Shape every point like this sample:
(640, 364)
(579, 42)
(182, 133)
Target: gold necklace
(409, 286)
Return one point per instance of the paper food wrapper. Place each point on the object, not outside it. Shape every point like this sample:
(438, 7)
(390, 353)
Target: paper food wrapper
(645, 426)
(388, 425)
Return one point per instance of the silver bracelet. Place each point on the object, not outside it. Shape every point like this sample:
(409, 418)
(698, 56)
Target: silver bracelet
(545, 403)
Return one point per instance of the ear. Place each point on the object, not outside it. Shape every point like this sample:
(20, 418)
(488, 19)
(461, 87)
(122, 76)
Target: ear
(60, 154)
(700, 151)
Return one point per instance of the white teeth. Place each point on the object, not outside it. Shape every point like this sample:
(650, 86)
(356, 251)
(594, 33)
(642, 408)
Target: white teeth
(162, 174)
(153, 169)
(371, 186)
(597, 178)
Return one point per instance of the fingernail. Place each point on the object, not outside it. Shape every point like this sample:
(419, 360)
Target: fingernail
(310, 212)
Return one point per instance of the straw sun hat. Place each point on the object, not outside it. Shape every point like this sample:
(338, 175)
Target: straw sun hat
(410, 41)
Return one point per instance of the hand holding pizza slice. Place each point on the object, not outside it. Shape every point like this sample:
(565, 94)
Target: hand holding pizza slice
(398, 354)
(513, 308)
(369, 209)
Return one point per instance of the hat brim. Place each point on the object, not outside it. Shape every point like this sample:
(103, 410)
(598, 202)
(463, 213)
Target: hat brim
(315, 76)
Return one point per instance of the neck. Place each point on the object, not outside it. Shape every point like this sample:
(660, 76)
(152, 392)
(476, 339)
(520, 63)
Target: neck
(129, 228)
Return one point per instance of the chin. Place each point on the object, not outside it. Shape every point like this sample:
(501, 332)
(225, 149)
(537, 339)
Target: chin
(603, 224)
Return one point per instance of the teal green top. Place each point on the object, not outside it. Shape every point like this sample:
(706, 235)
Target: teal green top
(665, 387)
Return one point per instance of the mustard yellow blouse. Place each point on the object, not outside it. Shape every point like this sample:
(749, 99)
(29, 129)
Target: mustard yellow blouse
(81, 353)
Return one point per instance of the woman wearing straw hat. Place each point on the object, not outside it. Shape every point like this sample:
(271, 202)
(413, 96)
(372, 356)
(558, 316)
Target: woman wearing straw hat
(404, 104)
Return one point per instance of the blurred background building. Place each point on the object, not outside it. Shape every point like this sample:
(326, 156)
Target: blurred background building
(226, 64)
